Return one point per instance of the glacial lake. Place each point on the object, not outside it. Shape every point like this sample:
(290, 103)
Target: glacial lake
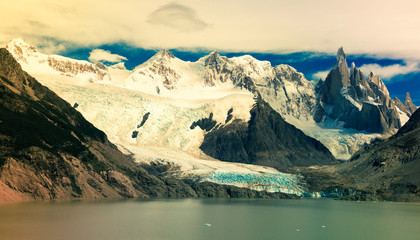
(197, 219)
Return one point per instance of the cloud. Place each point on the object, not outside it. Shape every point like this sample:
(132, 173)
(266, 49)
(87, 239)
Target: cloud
(177, 16)
(388, 72)
(50, 46)
(385, 72)
(236, 25)
(320, 75)
(98, 55)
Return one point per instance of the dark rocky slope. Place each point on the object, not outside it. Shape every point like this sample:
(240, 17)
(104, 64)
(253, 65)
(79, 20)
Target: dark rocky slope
(265, 140)
(385, 170)
(49, 151)
(391, 168)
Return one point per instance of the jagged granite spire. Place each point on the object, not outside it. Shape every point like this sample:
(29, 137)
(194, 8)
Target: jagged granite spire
(341, 57)
(337, 79)
(361, 104)
(356, 75)
(378, 82)
(409, 103)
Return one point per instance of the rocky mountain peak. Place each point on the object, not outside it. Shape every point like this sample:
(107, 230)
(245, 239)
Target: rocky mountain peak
(356, 76)
(409, 103)
(212, 59)
(337, 79)
(20, 49)
(163, 57)
(215, 53)
(215, 60)
(19, 42)
(379, 83)
(164, 53)
(407, 99)
(341, 57)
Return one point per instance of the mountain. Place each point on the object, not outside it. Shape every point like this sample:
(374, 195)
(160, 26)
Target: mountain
(282, 86)
(389, 169)
(358, 102)
(411, 108)
(34, 61)
(266, 139)
(215, 76)
(49, 151)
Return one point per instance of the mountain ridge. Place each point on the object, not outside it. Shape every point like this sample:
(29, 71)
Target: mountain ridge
(283, 87)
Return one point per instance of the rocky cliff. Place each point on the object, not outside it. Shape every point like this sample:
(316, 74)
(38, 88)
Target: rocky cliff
(265, 140)
(389, 169)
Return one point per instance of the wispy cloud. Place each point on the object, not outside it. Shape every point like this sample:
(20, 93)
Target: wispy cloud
(98, 55)
(385, 72)
(51, 46)
(320, 75)
(177, 16)
(388, 72)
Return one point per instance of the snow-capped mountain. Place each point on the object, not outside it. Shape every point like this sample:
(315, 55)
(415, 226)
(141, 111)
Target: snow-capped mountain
(35, 62)
(287, 90)
(282, 86)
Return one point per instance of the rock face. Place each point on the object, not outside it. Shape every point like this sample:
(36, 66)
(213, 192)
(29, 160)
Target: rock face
(265, 140)
(389, 169)
(216, 69)
(411, 108)
(360, 103)
(49, 151)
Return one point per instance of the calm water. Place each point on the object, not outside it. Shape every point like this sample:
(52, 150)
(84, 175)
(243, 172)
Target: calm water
(229, 219)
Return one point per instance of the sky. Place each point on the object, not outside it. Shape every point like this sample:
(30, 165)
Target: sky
(380, 36)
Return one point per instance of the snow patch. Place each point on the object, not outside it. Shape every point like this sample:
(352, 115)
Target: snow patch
(403, 116)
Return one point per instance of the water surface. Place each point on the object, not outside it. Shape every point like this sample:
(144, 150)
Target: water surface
(229, 219)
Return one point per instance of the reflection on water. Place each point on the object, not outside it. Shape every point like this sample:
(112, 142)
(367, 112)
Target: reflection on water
(226, 219)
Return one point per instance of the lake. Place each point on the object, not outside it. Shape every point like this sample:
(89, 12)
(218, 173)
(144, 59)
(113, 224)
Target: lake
(210, 219)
